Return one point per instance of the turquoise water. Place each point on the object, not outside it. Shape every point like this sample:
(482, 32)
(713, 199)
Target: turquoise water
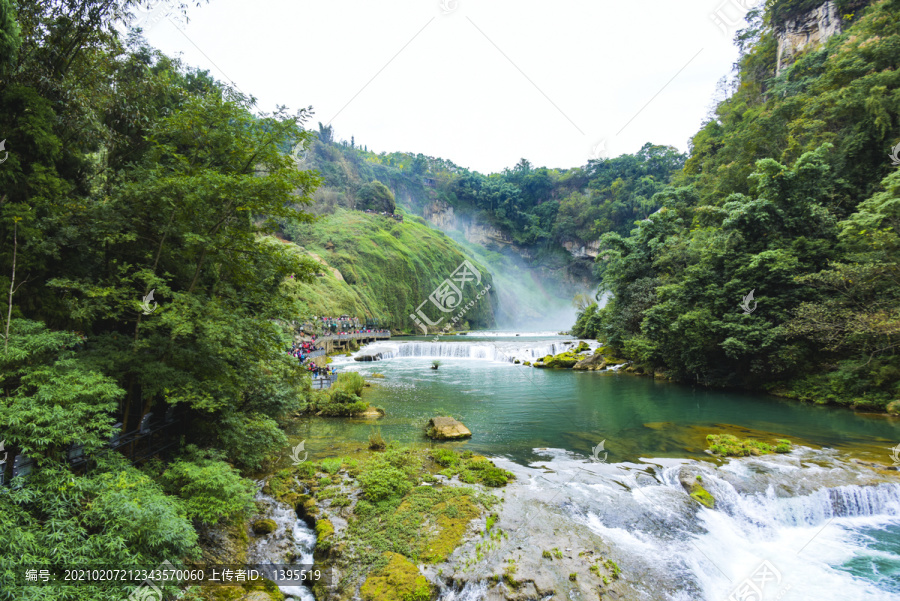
(513, 409)
(528, 414)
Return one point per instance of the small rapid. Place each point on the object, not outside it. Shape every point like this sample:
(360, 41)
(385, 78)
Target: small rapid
(291, 544)
(817, 526)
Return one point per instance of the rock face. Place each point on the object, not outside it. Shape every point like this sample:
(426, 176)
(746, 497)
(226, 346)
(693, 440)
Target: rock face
(446, 428)
(372, 356)
(443, 217)
(582, 250)
(593, 363)
(810, 30)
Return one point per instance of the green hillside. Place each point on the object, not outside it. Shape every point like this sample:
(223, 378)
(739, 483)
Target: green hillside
(789, 206)
(383, 269)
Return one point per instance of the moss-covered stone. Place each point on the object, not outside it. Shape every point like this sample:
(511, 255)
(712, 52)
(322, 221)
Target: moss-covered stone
(399, 580)
(726, 445)
(265, 526)
(893, 408)
(283, 486)
(324, 535)
(702, 496)
(262, 590)
(453, 519)
(563, 360)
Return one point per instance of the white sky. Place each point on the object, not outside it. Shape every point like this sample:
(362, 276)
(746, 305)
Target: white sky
(577, 71)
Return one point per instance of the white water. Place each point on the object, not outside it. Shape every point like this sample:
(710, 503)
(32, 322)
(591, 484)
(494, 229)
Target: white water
(766, 510)
(502, 351)
(291, 539)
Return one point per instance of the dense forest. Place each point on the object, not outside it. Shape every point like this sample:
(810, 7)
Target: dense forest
(146, 211)
(127, 173)
(538, 209)
(790, 194)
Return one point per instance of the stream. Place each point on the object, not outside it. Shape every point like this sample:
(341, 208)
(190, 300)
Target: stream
(819, 521)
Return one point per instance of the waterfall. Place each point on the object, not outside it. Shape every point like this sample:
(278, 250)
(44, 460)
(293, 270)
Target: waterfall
(808, 533)
(504, 351)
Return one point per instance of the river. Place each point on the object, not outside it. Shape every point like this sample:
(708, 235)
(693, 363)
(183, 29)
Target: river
(827, 526)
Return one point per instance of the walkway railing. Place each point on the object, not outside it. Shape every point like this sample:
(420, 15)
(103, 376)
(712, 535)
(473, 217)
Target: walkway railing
(323, 383)
(378, 335)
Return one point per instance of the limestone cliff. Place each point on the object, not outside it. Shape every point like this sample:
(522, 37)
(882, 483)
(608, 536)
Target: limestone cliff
(809, 30)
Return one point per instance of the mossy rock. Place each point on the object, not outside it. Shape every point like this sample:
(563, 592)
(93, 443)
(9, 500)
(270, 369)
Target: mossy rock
(583, 347)
(702, 496)
(893, 408)
(283, 486)
(263, 590)
(265, 526)
(399, 580)
(324, 538)
(726, 445)
(527, 364)
(563, 360)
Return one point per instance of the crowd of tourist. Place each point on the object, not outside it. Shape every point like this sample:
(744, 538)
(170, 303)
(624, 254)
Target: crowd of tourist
(319, 371)
(312, 331)
(301, 350)
(337, 326)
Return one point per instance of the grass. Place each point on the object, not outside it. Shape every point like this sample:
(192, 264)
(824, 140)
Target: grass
(398, 580)
(394, 516)
(471, 469)
(388, 268)
(726, 445)
(376, 441)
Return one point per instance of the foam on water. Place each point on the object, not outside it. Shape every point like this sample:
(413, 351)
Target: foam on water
(499, 351)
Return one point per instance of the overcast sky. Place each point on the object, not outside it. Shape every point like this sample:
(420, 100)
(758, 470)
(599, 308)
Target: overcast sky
(480, 83)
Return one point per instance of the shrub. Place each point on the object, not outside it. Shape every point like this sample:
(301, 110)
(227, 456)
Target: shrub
(211, 489)
(445, 457)
(331, 465)
(376, 442)
(494, 476)
(383, 481)
(350, 382)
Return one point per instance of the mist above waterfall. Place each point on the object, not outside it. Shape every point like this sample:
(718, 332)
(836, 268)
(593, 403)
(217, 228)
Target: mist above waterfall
(528, 298)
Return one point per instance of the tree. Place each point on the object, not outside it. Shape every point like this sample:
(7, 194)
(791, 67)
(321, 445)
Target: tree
(376, 197)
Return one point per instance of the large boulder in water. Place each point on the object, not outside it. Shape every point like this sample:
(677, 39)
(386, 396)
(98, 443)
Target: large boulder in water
(371, 356)
(594, 362)
(446, 428)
